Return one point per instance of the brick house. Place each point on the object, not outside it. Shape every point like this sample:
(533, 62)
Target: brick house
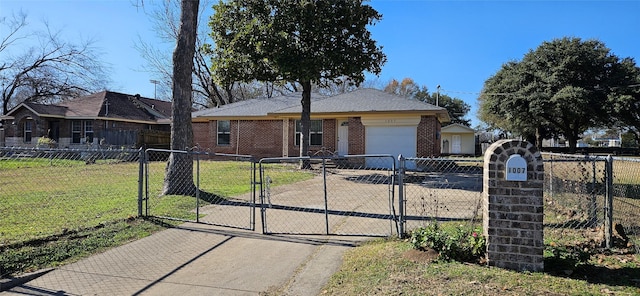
(365, 121)
(106, 118)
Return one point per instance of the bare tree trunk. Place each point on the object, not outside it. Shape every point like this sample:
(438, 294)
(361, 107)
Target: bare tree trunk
(179, 174)
(305, 123)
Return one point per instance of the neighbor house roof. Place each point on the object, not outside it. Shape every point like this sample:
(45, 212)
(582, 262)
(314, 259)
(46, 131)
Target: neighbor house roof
(361, 101)
(105, 105)
(457, 128)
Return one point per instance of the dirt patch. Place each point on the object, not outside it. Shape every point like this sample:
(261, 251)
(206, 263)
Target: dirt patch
(420, 256)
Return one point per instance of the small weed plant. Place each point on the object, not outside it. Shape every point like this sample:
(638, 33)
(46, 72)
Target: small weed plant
(459, 243)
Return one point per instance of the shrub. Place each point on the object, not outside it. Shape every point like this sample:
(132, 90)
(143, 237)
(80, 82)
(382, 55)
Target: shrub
(459, 244)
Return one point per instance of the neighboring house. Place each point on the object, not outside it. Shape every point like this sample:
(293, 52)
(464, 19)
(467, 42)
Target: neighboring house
(105, 118)
(458, 139)
(365, 121)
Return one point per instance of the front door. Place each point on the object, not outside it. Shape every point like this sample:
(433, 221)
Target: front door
(54, 130)
(343, 137)
(455, 145)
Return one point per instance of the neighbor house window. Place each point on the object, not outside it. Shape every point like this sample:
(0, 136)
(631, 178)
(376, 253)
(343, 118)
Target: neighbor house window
(76, 131)
(224, 132)
(81, 130)
(28, 131)
(315, 130)
(88, 131)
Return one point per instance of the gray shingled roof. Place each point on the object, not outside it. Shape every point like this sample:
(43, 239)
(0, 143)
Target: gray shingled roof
(361, 100)
(364, 100)
(255, 107)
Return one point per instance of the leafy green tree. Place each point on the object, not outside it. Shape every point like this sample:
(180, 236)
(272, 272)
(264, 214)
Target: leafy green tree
(562, 87)
(625, 100)
(302, 41)
(457, 108)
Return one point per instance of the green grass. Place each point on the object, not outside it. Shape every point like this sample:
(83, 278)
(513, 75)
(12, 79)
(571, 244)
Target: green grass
(379, 268)
(55, 211)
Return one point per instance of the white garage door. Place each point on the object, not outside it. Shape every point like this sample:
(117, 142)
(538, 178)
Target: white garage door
(394, 140)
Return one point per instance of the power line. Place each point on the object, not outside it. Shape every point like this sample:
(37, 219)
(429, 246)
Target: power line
(512, 93)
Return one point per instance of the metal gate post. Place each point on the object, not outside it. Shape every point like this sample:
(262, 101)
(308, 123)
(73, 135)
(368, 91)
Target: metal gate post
(197, 185)
(253, 194)
(263, 217)
(608, 208)
(400, 222)
(141, 155)
(324, 185)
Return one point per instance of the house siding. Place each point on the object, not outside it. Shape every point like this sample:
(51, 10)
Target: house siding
(264, 138)
(259, 138)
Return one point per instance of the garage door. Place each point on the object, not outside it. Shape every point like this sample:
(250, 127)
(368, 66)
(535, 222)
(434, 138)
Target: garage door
(394, 140)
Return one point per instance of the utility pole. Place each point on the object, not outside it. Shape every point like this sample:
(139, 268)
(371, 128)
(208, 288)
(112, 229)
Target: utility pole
(155, 87)
(437, 94)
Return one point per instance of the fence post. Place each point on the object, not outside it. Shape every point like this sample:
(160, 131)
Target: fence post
(197, 185)
(141, 157)
(324, 189)
(608, 208)
(401, 167)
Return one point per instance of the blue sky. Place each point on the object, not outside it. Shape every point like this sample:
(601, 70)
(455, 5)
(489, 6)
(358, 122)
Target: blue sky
(454, 44)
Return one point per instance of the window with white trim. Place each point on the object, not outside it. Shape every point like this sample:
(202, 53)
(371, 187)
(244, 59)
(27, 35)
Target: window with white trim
(88, 131)
(76, 131)
(28, 131)
(224, 132)
(81, 131)
(315, 131)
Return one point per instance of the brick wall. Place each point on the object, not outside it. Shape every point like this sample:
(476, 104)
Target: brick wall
(356, 136)
(204, 134)
(428, 137)
(513, 210)
(259, 138)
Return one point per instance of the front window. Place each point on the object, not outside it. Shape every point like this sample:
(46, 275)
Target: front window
(315, 130)
(81, 131)
(76, 131)
(28, 131)
(224, 132)
(88, 131)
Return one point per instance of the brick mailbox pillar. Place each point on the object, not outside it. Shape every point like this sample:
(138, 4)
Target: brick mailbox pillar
(513, 206)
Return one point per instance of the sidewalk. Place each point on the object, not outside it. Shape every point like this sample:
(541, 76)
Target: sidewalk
(197, 259)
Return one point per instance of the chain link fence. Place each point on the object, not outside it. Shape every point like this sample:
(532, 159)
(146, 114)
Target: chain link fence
(55, 194)
(592, 200)
(441, 189)
(626, 201)
(210, 188)
(49, 194)
(351, 195)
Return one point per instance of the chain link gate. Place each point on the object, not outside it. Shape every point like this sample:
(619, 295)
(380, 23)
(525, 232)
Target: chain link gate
(219, 198)
(349, 195)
